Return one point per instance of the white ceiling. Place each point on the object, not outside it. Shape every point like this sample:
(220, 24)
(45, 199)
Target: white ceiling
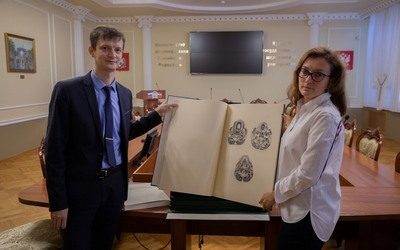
(107, 8)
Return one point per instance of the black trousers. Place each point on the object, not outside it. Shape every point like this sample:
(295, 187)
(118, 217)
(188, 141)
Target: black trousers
(94, 227)
(299, 236)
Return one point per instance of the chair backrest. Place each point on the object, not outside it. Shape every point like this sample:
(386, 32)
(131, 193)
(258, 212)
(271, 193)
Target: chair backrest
(258, 101)
(41, 157)
(289, 112)
(290, 109)
(397, 163)
(369, 143)
(349, 129)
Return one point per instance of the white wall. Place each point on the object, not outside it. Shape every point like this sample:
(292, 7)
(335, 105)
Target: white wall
(27, 99)
(24, 102)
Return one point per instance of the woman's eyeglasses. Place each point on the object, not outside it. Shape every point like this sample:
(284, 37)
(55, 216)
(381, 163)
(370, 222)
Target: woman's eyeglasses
(316, 76)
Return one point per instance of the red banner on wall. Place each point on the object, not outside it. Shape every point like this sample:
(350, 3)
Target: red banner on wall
(124, 63)
(347, 57)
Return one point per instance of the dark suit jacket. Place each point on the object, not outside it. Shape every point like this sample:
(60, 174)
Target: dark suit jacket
(74, 142)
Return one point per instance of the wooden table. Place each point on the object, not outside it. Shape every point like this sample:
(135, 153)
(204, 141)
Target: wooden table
(360, 171)
(370, 194)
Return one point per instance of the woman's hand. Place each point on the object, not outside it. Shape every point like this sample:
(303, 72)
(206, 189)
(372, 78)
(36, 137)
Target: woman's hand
(267, 201)
(286, 120)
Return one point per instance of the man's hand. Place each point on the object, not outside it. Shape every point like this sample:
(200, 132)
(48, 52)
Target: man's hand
(59, 218)
(164, 107)
(267, 201)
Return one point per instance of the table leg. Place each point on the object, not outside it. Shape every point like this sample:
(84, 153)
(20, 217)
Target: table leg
(270, 239)
(179, 239)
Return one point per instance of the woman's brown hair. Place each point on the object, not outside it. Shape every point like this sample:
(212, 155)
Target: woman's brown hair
(336, 85)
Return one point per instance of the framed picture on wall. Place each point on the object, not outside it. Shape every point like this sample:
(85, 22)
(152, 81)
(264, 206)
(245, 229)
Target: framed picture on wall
(20, 53)
(124, 63)
(347, 57)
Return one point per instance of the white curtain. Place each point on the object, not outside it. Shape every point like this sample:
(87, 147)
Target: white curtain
(382, 71)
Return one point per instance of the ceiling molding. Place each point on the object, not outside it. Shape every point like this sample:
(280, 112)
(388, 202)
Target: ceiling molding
(85, 14)
(378, 7)
(63, 4)
(78, 11)
(202, 8)
(96, 19)
(342, 16)
(227, 18)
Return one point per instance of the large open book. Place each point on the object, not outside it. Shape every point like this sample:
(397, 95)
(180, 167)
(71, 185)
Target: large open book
(143, 195)
(215, 149)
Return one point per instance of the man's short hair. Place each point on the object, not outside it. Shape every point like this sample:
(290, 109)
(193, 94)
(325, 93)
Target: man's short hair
(105, 33)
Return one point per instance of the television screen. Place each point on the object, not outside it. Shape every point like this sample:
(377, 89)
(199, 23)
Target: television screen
(226, 52)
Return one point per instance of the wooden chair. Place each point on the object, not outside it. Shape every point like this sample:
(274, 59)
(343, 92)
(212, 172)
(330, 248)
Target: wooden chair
(290, 109)
(289, 112)
(349, 130)
(41, 157)
(397, 163)
(229, 101)
(369, 143)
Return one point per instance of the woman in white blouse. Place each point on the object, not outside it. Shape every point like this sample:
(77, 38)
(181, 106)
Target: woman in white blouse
(307, 190)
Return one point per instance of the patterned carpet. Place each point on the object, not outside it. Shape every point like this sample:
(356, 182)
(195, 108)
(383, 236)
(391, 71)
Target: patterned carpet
(31, 236)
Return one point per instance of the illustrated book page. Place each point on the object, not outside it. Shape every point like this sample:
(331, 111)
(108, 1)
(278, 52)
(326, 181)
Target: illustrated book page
(249, 152)
(189, 147)
(214, 149)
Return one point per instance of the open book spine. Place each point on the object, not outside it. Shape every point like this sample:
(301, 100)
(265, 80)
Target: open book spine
(214, 149)
(249, 152)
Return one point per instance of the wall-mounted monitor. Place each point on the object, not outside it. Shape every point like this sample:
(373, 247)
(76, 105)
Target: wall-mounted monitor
(226, 52)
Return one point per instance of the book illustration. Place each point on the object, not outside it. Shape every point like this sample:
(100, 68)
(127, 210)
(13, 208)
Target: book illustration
(261, 136)
(200, 146)
(237, 133)
(244, 169)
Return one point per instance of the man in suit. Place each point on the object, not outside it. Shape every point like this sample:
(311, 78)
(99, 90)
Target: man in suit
(89, 127)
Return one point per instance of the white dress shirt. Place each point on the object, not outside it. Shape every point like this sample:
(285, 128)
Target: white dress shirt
(303, 184)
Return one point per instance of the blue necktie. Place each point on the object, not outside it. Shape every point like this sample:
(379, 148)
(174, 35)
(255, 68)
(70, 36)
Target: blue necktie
(108, 137)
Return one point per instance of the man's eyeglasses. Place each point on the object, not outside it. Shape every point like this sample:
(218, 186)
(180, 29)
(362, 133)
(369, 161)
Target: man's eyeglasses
(316, 76)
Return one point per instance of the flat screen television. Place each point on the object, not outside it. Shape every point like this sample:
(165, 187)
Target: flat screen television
(226, 52)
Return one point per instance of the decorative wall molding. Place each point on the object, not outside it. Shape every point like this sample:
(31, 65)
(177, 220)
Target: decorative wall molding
(316, 18)
(145, 22)
(69, 23)
(355, 99)
(215, 7)
(63, 4)
(22, 119)
(25, 106)
(228, 18)
(211, 18)
(80, 13)
(378, 7)
(342, 16)
(78, 10)
(204, 8)
(96, 19)
(32, 6)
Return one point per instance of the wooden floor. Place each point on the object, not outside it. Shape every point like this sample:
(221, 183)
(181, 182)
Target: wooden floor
(21, 171)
